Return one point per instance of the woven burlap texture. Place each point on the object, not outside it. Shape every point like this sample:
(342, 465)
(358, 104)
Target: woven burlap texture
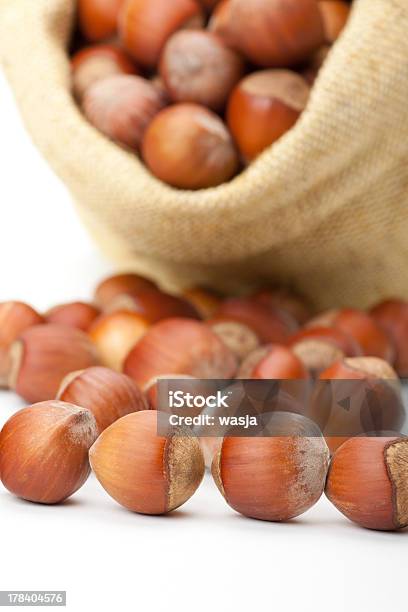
(324, 210)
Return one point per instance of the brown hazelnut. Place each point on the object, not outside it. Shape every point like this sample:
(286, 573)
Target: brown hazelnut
(154, 305)
(44, 451)
(360, 326)
(197, 66)
(121, 107)
(15, 317)
(98, 62)
(263, 107)
(368, 482)
(107, 394)
(41, 357)
(120, 284)
(273, 478)
(145, 26)
(268, 324)
(189, 147)
(75, 314)
(98, 18)
(392, 317)
(144, 472)
(179, 346)
(115, 334)
(270, 33)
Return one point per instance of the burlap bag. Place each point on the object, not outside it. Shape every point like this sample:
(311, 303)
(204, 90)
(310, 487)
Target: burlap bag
(325, 209)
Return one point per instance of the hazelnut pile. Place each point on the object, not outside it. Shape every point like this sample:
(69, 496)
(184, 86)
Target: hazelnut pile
(89, 372)
(199, 88)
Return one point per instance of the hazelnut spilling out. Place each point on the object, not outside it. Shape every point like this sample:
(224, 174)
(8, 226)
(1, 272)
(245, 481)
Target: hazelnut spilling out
(107, 394)
(279, 363)
(268, 324)
(120, 284)
(154, 305)
(271, 33)
(239, 338)
(75, 314)
(368, 482)
(263, 107)
(143, 472)
(179, 346)
(283, 299)
(43, 355)
(392, 317)
(375, 406)
(197, 66)
(44, 451)
(189, 147)
(98, 62)
(320, 347)
(15, 317)
(250, 362)
(360, 326)
(273, 478)
(145, 26)
(121, 107)
(98, 18)
(115, 334)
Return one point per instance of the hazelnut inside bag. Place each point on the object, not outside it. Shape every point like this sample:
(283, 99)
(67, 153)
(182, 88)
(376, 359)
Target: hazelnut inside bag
(324, 210)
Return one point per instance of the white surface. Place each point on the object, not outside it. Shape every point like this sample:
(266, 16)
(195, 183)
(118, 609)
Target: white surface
(204, 556)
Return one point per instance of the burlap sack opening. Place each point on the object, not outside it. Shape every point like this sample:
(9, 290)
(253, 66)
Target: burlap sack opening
(324, 210)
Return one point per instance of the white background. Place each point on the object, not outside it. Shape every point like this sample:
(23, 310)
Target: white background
(202, 557)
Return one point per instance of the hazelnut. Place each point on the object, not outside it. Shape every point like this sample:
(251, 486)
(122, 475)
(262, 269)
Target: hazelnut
(120, 284)
(151, 388)
(379, 409)
(281, 298)
(98, 18)
(359, 367)
(238, 337)
(248, 364)
(270, 33)
(145, 26)
(320, 347)
(392, 317)
(75, 314)
(98, 62)
(204, 301)
(268, 324)
(197, 66)
(179, 346)
(280, 363)
(144, 472)
(15, 317)
(44, 451)
(263, 107)
(189, 147)
(273, 478)
(41, 357)
(368, 482)
(154, 305)
(360, 326)
(121, 107)
(107, 394)
(115, 334)
(335, 14)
